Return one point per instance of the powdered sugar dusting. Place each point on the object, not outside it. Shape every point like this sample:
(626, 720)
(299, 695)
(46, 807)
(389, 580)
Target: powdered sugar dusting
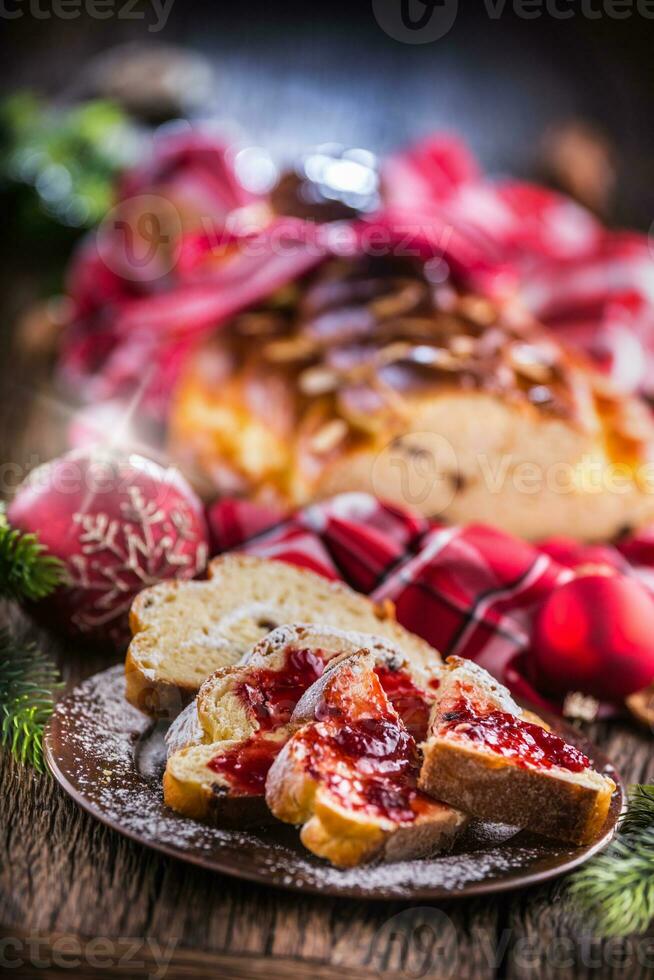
(110, 758)
(107, 760)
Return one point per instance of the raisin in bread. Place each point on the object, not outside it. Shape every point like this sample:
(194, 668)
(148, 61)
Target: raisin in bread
(221, 747)
(486, 756)
(349, 774)
(183, 631)
(379, 381)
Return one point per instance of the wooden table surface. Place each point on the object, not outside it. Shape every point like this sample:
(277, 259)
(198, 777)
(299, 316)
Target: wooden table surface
(77, 898)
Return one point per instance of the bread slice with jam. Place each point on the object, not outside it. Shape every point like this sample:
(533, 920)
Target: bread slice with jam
(349, 774)
(491, 759)
(184, 631)
(221, 748)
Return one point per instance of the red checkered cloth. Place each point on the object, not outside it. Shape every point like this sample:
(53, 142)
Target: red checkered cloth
(471, 591)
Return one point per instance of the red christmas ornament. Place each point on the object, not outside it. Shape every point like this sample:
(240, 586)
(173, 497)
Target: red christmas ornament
(119, 523)
(595, 634)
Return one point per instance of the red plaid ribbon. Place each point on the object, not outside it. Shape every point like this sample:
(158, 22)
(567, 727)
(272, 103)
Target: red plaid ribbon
(471, 591)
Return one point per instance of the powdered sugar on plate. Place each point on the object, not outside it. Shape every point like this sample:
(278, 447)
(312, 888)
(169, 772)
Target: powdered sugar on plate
(110, 759)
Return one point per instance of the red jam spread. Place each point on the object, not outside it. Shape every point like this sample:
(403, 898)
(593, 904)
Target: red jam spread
(368, 765)
(411, 703)
(360, 750)
(246, 765)
(271, 695)
(522, 742)
(374, 738)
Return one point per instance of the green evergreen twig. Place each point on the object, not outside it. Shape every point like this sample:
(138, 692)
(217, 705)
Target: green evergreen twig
(616, 888)
(27, 677)
(27, 682)
(27, 571)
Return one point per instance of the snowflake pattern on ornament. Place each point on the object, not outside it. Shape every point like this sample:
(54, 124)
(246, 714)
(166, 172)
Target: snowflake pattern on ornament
(119, 557)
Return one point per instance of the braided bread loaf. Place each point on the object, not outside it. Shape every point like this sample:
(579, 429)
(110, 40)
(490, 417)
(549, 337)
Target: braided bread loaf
(370, 377)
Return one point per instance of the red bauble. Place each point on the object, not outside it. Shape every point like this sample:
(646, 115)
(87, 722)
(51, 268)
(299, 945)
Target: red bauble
(595, 634)
(119, 522)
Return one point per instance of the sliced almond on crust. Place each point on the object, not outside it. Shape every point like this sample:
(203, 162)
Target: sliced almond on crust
(318, 381)
(462, 345)
(421, 354)
(532, 362)
(400, 302)
(328, 436)
(477, 309)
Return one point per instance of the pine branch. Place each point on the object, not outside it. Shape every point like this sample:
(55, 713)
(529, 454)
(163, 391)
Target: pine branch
(26, 570)
(616, 889)
(640, 813)
(27, 682)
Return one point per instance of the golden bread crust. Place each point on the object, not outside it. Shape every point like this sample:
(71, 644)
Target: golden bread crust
(199, 802)
(365, 384)
(491, 790)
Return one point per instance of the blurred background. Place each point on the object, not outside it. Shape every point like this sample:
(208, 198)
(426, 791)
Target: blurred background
(294, 73)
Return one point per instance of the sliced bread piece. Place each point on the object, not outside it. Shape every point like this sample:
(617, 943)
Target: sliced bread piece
(184, 631)
(349, 775)
(487, 756)
(221, 747)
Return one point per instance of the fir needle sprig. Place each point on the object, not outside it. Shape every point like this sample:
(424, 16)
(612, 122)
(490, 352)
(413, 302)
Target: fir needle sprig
(27, 571)
(27, 678)
(27, 682)
(616, 888)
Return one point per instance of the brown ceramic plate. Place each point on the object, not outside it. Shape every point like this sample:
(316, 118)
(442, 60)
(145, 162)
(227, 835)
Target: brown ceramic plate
(110, 759)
